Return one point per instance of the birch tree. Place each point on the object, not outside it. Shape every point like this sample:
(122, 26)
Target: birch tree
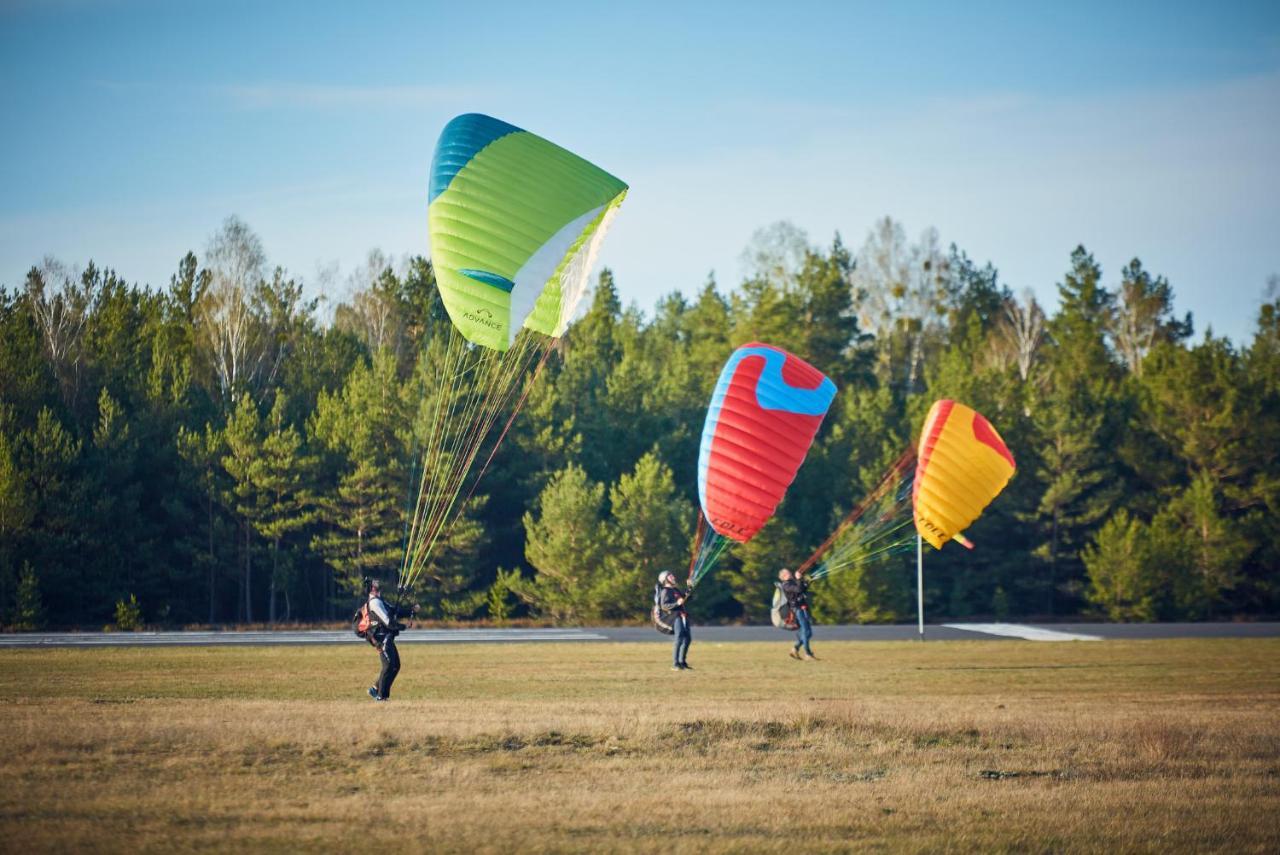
(901, 291)
(228, 332)
(1019, 334)
(61, 302)
(1143, 315)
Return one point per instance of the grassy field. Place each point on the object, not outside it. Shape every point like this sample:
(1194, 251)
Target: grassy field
(1131, 746)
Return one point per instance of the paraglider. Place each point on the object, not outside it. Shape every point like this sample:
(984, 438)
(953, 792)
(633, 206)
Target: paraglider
(961, 465)
(670, 618)
(379, 625)
(765, 410)
(791, 610)
(764, 413)
(515, 225)
(936, 489)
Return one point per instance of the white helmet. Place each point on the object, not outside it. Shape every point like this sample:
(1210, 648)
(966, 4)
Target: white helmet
(664, 575)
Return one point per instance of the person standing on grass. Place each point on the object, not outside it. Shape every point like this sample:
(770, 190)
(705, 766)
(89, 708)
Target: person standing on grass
(671, 601)
(796, 589)
(382, 635)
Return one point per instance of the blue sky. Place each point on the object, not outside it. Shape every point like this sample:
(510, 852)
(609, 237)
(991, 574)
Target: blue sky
(131, 129)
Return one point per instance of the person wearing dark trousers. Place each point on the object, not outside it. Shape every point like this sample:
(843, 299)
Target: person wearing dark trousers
(382, 635)
(671, 601)
(796, 589)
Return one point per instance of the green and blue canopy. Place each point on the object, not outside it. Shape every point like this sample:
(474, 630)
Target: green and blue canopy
(515, 224)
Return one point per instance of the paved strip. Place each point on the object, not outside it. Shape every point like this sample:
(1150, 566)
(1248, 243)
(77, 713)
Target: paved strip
(821, 633)
(701, 634)
(1234, 629)
(210, 639)
(1027, 633)
(952, 632)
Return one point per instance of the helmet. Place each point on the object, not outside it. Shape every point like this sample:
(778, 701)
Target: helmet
(662, 577)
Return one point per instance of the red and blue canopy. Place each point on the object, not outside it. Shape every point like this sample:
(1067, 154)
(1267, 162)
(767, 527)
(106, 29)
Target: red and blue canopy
(764, 413)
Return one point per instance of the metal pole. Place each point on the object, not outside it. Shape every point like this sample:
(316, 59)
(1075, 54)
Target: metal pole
(920, 585)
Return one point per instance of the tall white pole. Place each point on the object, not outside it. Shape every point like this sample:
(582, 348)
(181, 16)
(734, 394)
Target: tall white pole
(920, 585)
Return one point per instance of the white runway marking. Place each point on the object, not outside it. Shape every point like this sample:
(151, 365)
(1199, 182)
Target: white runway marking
(1017, 630)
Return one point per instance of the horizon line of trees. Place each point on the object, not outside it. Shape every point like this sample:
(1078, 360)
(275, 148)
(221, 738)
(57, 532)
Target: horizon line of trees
(213, 452)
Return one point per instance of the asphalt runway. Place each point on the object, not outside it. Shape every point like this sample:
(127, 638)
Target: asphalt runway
(711, 634)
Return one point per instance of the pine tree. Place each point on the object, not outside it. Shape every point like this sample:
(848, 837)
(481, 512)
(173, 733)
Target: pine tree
(650, 531)
(707, 327)
(591, 350)
(28, 610)
(130, 445)
(202, 452)
(1079, 492)
(828, 322)
(974, 294)
(1078, 423)
(566, 542)
(1262, 370)
(27, 382)
(1123, 580)
(50, 456)
(122, 536)
(1198, 401)
(1203, 549)
(1086, 308)
(764, 310)
(363, 425)
(16, 512)
(242, 441)
(498, 599)
(281, 478)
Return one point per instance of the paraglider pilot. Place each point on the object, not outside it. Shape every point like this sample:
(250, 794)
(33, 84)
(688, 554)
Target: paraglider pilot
(382, 635)
(796, 589)
(671, 602)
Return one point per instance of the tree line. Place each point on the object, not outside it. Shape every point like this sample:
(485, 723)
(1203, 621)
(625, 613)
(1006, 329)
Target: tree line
(226, 450)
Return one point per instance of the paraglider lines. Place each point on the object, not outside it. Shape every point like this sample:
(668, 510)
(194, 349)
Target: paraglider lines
(477, 384)
(878, 526)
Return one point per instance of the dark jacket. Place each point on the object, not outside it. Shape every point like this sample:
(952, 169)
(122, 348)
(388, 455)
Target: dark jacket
(796, 592)
(667, 600)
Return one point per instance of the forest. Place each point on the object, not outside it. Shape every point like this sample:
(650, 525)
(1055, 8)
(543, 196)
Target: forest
(232, 449)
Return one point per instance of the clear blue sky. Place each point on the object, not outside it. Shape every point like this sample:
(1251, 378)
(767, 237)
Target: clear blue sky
(131, 129)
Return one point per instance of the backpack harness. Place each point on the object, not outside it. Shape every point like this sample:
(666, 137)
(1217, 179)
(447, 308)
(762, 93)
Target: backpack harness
(662, 621)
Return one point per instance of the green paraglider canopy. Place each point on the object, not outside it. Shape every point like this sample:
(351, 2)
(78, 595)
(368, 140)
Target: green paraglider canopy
(515, 224)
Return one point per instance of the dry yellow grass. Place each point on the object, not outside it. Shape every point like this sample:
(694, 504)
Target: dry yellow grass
(1004, 746)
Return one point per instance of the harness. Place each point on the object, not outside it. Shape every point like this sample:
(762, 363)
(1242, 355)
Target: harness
(360, 621)
(663, 621)
(781, 614)
(366, 626)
